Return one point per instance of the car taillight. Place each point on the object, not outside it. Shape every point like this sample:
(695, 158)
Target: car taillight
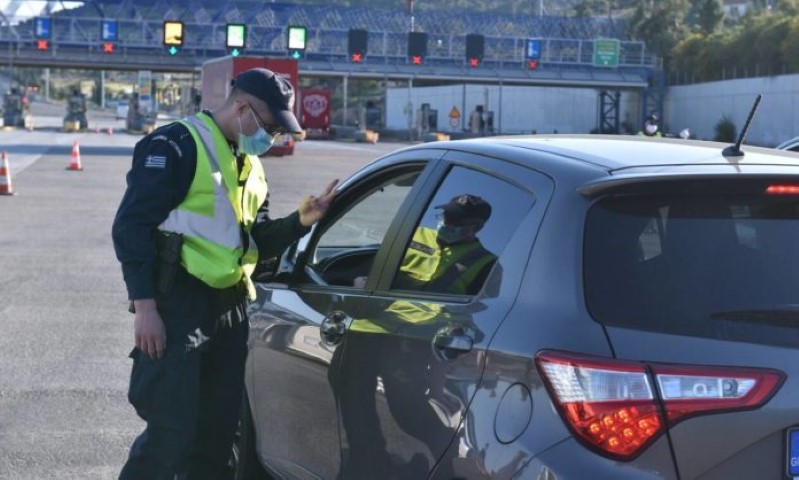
(612, 406)
(609, 405)
(690, 390)
(783, 190)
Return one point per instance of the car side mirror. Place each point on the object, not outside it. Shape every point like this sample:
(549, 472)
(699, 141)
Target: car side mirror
(266, 271)
(276, 269)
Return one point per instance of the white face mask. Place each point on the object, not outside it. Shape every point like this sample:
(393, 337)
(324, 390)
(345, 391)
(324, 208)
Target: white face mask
(651, 129)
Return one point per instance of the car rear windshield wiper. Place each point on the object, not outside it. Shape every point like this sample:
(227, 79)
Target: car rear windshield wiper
(782, 316)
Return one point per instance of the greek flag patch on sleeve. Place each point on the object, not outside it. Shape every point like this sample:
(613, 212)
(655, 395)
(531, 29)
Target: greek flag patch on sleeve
(155, 161)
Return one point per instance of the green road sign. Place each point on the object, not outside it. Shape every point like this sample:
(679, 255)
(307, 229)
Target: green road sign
(606, 53)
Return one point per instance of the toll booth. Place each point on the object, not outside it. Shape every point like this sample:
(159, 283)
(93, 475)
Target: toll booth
(16, 110)
(139, 119)
(75, 118)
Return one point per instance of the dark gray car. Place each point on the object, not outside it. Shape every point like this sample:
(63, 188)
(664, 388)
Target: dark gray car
(635, 315)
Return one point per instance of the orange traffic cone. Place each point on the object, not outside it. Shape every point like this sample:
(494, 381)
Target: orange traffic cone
(74, 162)
(5, 176)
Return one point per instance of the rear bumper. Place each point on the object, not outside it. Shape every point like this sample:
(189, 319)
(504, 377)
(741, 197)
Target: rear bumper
(570, 460)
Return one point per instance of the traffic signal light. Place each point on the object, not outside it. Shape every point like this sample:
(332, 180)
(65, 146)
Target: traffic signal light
(532, 64)
(236, 38)
(173, 36)
(109, 34)
(42, 30)
(417, 47)
(357, 43)
(475, 47)
(297, 42)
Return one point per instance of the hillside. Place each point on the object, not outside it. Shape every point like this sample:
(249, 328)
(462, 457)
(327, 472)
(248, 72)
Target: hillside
(514, 7)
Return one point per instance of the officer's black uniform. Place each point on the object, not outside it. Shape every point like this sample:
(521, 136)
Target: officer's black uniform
(191, 397)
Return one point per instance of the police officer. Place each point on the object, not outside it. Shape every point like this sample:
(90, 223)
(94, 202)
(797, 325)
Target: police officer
(188, 235)
(450, 259)
(651, 128)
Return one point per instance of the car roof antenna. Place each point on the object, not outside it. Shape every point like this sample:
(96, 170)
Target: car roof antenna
(735, 150)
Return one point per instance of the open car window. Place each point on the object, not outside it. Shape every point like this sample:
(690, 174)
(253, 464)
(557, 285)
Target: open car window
(348, 245)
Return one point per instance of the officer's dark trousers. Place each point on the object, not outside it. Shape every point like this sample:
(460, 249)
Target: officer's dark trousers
(191, 397)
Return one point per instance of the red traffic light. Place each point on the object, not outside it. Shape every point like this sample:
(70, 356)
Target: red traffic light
(108, 47)
(42, 44)
(416, 59)
(474, 62)
(357, 57)
(532, 64)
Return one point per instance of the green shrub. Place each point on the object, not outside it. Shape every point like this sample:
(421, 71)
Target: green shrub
(725, 130)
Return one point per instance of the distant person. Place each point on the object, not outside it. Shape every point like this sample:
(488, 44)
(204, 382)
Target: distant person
(198, 99)
(188, 236)
(476, 121)
(651, 127)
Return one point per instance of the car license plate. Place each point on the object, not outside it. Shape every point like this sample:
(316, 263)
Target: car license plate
(793, 452)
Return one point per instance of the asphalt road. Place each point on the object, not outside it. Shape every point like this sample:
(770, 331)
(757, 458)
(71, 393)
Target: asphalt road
(66, 333)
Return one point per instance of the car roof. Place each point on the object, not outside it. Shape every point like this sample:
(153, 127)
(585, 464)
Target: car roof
(624, 152)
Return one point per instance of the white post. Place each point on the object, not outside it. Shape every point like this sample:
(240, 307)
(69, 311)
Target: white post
(409, 108)
(47, 84)
(102, 88)
(344, 113)
(463, 108)
(499, 110)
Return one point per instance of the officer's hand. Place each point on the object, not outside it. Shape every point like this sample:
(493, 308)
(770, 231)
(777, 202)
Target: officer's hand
(148, 329)
(312, 209)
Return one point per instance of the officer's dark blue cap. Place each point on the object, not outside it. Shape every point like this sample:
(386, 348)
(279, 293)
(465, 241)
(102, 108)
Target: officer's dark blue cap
(275, 91)
(467, 208)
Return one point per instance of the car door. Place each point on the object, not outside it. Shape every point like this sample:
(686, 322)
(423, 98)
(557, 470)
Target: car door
(296, 325)
(410, 363)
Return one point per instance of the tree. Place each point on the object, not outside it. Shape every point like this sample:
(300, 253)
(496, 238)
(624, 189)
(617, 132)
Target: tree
(710, 14)
(589, 8)
(788, 7)
(660, 24)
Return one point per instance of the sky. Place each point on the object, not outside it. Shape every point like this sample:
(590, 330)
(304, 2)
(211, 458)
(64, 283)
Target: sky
(30, 8)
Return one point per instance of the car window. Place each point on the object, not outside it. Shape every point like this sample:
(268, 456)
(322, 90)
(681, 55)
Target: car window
(462, 233)
(714, 266)
(346, 248)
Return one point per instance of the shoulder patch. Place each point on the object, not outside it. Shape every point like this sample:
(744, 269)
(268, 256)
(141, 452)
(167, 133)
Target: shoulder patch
(172, 143)
(155, 161)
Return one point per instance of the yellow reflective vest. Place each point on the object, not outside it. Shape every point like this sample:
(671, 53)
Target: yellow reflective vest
(218, 213)
(449, 269)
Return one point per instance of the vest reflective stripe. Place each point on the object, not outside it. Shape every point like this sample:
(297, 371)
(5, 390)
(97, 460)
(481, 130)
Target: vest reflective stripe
(218, 225)
(215, 208)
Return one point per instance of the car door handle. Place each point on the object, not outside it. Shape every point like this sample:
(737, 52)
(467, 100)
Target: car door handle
(333, 327)
(452, 343)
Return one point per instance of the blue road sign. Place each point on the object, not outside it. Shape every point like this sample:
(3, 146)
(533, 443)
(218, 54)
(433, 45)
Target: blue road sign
(110, 31)
(533, 50)
(41, 27)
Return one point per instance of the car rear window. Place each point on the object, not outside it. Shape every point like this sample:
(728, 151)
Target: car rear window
(724, 266)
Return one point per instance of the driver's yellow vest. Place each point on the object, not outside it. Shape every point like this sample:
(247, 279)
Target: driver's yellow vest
(218, 213)
(450, 269)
